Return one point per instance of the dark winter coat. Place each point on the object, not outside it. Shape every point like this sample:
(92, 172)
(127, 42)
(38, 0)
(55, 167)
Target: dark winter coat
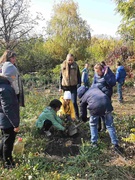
(105, 83)
(94, 100)
(9, 106)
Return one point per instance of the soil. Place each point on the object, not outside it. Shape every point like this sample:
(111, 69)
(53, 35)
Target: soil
(63, 145)
(60, 145)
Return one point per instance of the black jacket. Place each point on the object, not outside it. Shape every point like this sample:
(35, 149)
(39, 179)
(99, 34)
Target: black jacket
(9, 106)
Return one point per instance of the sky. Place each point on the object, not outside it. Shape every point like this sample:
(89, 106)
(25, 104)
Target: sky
(99, 14)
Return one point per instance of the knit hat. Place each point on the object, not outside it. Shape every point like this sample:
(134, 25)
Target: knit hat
(67, 95)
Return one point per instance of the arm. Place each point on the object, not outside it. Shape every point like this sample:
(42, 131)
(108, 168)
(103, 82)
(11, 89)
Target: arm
(78, 76)
(110, 78)
(83, 110)
(58, 123)
(60, 81)
(117, 75)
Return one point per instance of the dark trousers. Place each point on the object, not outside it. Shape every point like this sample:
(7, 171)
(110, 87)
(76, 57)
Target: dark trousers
(47, 125)
(6, 145)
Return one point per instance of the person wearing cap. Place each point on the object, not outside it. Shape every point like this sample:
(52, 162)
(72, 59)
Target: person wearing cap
(49, 118)
(9, 70)
(70, 79)
(67, 110)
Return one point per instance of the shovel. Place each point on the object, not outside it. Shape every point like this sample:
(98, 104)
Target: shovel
(72, 129)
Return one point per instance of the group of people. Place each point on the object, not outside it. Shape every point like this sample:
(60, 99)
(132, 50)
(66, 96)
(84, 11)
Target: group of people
(95, 98)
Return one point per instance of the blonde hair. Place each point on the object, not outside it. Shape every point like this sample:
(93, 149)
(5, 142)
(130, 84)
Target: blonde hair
(6, 56)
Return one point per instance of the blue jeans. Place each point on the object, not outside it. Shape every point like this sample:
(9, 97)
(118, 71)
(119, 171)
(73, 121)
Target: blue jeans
(119, 90)
(93, 122)
(74, 100)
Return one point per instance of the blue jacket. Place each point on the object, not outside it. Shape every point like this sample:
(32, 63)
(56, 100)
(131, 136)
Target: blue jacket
(9, 106)
(85, 76)
(94, 100)
(105, 83)
(120, 74)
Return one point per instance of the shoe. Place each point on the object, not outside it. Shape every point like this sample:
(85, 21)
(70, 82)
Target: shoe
(94, 145)
(8, 165)
(48, 133)
(118, 149)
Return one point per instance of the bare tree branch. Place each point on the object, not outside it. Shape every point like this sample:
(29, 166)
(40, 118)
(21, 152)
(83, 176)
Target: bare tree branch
(15, 21)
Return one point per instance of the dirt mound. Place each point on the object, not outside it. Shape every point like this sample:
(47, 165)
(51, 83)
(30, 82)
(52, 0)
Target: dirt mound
(62, 145)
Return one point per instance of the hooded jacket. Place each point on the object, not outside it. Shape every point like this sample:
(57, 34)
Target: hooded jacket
(95, 101)
(68, 110)
(105, 83)
(120, 74)
(49, 114)
(9, 106)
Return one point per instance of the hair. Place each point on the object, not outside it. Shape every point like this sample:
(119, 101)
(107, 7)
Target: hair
(69, 55)
(118, 63)
(99, 66)
(7, 55)
(55, 103)
(103, 63)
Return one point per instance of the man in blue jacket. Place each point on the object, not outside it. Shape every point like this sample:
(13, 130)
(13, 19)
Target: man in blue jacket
(120, 78)
(99, 105)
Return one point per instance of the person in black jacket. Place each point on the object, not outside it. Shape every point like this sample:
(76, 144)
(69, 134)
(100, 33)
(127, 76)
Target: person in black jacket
(9, 121)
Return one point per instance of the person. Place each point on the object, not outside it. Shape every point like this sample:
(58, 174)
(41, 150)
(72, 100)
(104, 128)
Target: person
(67, 109)
(104, 79)
(85, 76)
(49, 117)
(120, 78)
(98, 105)
(70, 78)
(9, 121)
(8, 69)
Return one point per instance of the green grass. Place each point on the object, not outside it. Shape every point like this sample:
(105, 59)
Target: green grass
(89, 164)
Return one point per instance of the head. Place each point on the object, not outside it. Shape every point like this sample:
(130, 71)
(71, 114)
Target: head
(81, 91)
(67, 97)
(103, 63)
(118, 63)
(70, 59)
(11, 56)
(55, 104)
(86, 65)
(99, 69)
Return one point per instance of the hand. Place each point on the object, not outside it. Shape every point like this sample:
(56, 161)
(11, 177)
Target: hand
(16, 129)
(60, 90)
(106, 71)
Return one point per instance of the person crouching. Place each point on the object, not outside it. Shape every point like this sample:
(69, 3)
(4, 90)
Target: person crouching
(67, 111)
(49, 117)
